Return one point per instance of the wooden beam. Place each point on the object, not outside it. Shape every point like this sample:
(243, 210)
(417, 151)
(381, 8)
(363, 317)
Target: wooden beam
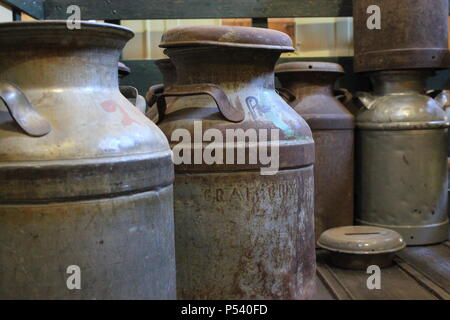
(198, 9)
(34, 8)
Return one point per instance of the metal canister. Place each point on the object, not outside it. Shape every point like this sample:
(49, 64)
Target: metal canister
(241, 232)
(169, 74)
(312, 86)
(401, 156)
(400, 34)
(86, 189)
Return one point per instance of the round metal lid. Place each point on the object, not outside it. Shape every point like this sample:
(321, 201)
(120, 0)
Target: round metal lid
(245, 37)
(309, 66)
(361, 240)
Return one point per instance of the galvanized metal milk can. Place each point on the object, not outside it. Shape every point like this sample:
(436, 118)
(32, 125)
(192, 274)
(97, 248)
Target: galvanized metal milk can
(402, 158)
(402, 133)
(243, 231)
(312, 85)
(86, 179)
(400, 34)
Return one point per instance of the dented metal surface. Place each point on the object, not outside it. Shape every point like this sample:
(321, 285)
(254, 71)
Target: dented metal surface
(412, 34)
(239, 234)
(311, 83)
(402, 158)
(96, 190)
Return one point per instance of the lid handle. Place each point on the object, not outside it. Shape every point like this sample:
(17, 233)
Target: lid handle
(230, 112)
(132, 94)
(21, 110)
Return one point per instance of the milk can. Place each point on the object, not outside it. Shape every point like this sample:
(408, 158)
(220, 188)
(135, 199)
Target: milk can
(244, 168)
(312, 84)
(86, 179)
(402, 158)
(400, 34)
(169, 74)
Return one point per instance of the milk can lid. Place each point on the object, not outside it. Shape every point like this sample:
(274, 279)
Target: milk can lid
(309, 66)
(230, 36)
(361, 240)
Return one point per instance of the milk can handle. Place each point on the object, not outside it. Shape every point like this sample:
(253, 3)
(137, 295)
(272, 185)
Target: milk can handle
(345, 94)
(230, 112)
(152, 94)
(286, 94)
(131, 93)
(442, 97)
(21, 110)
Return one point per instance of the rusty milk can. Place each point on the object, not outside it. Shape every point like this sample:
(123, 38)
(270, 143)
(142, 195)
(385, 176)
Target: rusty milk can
(169, 74)
(312, 84)
(408, 34)
(243, 231)
(86, 179)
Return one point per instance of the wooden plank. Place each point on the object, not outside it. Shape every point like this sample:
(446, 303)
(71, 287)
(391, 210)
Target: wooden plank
(34, 8)
(327, 276)
(432, 261)
(423, 280)
(198, 9)
(322, 293)
(352, 284)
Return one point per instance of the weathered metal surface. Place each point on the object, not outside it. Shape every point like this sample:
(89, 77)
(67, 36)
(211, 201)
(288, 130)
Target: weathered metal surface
(133, 96)
(96, 191)
(358, 247)
(413, 34)
(240, 235)
(23, 113)
(197, 9)
(402, 159)
(333, 131)
(169, 74)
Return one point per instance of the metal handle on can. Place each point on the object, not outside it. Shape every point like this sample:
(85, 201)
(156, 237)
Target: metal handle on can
(343, 95)
(442, 97)
(21, 110)
(286, 94)
(132, 94)
(152, 94)
(230, 112)
(366, 99)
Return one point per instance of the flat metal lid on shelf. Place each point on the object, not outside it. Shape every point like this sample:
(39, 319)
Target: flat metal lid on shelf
(227, 36)
(309, 66)
(361, 240)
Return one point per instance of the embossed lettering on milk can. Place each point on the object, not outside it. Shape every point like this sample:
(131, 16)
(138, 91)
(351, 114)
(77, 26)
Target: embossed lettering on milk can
(241, 232)
(401, 156)
(86, 179)
(312, 84)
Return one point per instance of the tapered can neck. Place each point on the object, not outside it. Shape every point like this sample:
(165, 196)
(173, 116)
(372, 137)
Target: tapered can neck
(400, 81)
(48, 55)
(227, 67)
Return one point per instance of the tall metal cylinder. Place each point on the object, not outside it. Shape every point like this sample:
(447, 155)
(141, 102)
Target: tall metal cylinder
(400, 34)
(402, 158)
(312, 84)
(240, 234)
(86, 190)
